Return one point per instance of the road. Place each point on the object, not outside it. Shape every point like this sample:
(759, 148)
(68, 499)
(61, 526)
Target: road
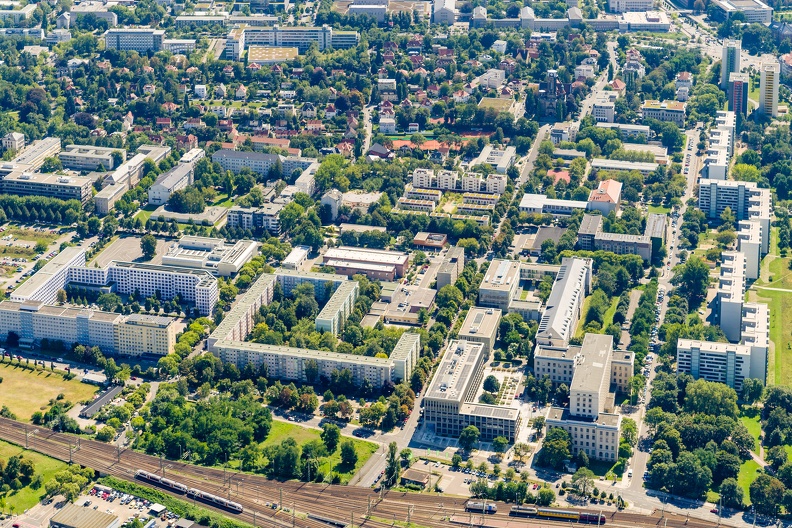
(598, 89)
(368, 127)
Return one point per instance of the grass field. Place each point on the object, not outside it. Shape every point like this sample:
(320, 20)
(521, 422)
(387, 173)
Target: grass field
(607, 319)
(145, 213)
(25, 391)
(780, 361)
(746, 476)
(20, 500)
(754, 427)
(659, 209)
(32, 235)
(282, 430)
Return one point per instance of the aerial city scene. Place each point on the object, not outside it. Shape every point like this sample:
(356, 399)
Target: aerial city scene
(395, 263)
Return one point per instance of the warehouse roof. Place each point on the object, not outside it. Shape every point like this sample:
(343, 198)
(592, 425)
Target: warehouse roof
(73, 516)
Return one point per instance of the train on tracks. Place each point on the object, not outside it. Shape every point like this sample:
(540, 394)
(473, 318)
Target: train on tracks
(481, 507)
(559, 515)
(193, 493)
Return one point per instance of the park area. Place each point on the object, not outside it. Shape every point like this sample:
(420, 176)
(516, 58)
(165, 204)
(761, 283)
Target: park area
(302, 435)
(17, 501)
(26, 391)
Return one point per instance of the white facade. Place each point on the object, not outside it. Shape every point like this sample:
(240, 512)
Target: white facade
(134, 39)
(730, 61)
(603, 111)
(46, 282)
(623, 6)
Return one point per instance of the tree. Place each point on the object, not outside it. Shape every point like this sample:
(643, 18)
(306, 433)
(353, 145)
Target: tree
(545, 497)
(766, 494)
(752, 390)
(148, 244)
(539, 423)
(491, 384)
(630, 431)
(392, 465)
(61, 296)
(693, 278)
(330, 435)
(731, 493)
(449, 296)
(349, 456)
(469, 437)
(583, 479)
(556, 448)
(707, 397)
(776, 456)
(500, 444)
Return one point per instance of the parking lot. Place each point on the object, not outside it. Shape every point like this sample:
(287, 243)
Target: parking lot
(125, 507)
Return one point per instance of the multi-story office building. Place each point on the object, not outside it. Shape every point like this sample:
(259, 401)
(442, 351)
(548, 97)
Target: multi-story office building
(351, 256)
(90, 158)
(211, 254)
(265, 217)
(191, 285)
(623, 6)
(32, 158)
(452, 265)
(739, 87)
(134, 39)
(730, 61)
(558, 363)
(628, 131)
(450, 403)
(500, 284)
(95, 9)
(565, 305)
(53, 276)
(590, 419)
(769, 81)
(752, 10)
(105, 199)
(603, 111)
(541, 204)
(175, 179)
(481, 326)
(51, 185)
(338, 308)
(113, 333)
(591, 237)
(239, 39)
(499, 159)
(673, 111)
(260, 162)
(603, 164)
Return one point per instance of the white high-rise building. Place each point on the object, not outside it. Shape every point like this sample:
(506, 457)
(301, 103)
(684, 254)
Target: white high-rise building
(730, 61)
(768, 88)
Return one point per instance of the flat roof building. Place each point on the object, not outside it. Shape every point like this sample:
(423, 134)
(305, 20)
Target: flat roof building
(91, 158)
(52, 277)
(52, 185)
(211, 254)
(673, 111)
(366, 257)
(565, 305)
(481, 326)
(541, 204)
(500, 284)
(452, 265)
(73, 516)
(450, 401)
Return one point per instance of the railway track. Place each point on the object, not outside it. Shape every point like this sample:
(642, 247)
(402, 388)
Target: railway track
(348, 505)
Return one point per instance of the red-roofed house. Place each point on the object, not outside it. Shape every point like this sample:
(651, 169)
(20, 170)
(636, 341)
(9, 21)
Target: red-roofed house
(618, 86)
(606, 197)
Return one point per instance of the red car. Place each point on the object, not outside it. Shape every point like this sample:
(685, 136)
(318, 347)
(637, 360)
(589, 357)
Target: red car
(714, 510)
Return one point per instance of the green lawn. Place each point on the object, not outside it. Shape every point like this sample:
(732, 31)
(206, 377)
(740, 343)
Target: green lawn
(20, 500)
(754, 427)
(659, 209)
(222, 201)
(145, 213)
(607, 319)
(25, 392)
(282, 430)
(746, 476)
(754, 91)
(581, 324)
(779, 362)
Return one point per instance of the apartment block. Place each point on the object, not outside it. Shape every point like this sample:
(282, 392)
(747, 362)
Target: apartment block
(265, 217)
(338, 308)
(739, 88)
(716, 195)
(179, 177)
(727, 363)
(239, 39)
(260, 162)
(500, 284)
(769, 81)
(749, 243)
(113, 333)
(591, 237)
(731, 288)
(730, 61)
